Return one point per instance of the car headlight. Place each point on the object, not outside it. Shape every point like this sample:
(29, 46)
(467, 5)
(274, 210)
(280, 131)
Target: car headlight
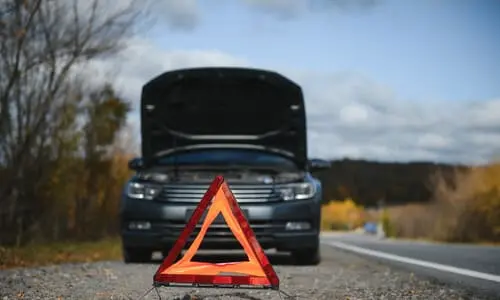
(297, 191)
(153, 176)
(144, 191)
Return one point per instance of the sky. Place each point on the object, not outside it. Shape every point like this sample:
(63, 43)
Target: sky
(387, 80)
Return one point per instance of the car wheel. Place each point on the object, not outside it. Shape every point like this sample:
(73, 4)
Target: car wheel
(308, 256)
(136, 255)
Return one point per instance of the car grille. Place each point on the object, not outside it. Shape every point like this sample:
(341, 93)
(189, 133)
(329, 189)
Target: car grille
(264, 231)
(242, 193)
(218, 230)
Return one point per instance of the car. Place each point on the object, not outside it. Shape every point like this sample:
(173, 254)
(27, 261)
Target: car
(370, 228)
(247, 125)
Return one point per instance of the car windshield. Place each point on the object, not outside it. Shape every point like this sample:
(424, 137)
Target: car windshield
(224, 157)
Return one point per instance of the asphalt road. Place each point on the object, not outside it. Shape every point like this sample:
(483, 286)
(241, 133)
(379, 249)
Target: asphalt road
(342, 274)
(471, 266)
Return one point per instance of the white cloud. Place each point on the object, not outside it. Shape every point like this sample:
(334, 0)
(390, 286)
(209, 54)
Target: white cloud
(180, 14)
(433, 141)
(175, 14)
(348, 115)
(142, 60)
(286, 9)
(281, 8)
(353, 114)
(187, 14)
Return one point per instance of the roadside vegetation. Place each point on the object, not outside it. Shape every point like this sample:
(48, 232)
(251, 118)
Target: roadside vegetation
(63, 133)
(59, 252)
(464, 208)
(342, 215)
(64, 140)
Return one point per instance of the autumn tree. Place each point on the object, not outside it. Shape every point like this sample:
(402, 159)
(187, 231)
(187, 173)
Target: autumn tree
(74, 193)
(105, 115)
(43, 45)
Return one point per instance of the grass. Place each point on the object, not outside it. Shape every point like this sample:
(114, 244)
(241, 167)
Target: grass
(56, 253)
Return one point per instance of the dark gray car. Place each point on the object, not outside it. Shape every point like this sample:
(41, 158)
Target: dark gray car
(247, 125)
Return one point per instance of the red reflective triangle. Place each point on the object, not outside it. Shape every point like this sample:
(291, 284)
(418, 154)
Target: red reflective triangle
(257, 272)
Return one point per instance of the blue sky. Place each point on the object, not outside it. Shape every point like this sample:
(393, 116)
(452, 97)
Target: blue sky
(423, 49)
(433, 65)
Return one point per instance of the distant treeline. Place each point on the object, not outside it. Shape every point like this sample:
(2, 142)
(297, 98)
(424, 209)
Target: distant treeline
(394, 183)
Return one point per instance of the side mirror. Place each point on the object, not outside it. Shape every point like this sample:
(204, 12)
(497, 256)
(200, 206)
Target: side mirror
(319, 164)
(135, 164)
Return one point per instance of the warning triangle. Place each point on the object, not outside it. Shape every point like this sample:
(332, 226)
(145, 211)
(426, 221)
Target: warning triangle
(257, 271)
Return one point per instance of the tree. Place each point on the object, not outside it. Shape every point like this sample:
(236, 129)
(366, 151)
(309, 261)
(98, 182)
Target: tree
(43, 43)
(105, 115)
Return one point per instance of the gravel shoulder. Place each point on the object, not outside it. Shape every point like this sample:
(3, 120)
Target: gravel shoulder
(341, 275)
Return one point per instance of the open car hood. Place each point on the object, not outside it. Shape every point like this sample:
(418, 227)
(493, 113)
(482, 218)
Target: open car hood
(212, 107)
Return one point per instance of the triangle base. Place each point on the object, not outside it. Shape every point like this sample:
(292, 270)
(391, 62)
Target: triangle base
(214, 281)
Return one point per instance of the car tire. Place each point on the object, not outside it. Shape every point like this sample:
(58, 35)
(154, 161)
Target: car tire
(136, 255)
(307, 256)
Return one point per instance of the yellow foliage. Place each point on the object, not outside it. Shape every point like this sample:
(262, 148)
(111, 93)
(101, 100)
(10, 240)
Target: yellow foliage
(341, 215)
(80, 204)
(468, 210)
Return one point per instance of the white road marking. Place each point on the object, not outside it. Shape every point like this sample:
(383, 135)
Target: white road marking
(417, 262)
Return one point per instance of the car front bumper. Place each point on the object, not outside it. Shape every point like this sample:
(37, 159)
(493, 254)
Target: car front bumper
(268, 221)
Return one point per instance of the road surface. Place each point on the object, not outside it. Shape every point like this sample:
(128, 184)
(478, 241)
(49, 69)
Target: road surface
(342, 274)
(472, 266)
